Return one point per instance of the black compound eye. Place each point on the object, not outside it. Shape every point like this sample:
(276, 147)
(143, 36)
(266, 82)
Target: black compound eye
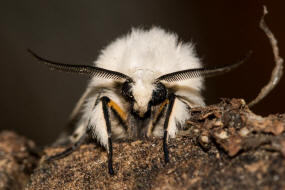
(127, 91)
(159, 94)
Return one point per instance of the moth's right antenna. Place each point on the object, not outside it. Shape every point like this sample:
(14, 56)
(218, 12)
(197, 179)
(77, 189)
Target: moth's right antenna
(200, 72)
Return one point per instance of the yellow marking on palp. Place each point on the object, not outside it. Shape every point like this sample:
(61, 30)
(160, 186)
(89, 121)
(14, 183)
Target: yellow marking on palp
(118, 110)
(160, 109)
(163, 104)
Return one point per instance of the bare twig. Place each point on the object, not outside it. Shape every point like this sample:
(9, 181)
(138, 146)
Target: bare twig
(278, 69)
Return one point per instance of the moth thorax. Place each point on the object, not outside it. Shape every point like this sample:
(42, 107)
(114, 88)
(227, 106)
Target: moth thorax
(142, 92)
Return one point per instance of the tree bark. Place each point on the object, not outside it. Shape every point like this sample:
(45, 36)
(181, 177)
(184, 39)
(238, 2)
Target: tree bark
(224, 146)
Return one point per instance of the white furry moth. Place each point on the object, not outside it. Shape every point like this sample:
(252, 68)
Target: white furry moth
(142, 85)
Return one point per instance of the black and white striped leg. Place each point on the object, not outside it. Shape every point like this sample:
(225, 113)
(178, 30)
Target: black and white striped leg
(171, 99)
(105, 100)
(69, 150)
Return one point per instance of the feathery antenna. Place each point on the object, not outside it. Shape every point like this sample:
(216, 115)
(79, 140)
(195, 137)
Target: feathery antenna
(81, 69)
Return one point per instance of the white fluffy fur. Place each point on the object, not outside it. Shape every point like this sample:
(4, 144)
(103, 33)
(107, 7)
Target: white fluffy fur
(144, 55)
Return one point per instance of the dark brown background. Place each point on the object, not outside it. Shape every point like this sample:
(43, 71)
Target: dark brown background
(36, 102)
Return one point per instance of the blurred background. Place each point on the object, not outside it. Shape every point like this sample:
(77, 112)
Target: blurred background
(36, 102)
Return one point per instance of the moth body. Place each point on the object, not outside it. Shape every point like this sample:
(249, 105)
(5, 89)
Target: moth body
(144, 56)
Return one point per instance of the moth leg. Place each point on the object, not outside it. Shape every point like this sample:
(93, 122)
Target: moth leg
(69, 150)
(106, 104)
(171, 99)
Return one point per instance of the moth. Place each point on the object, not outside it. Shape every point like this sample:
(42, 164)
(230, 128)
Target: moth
(142, 85)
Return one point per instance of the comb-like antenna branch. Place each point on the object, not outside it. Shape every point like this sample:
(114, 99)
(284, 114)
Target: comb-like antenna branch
(81, 69)
(200, 72)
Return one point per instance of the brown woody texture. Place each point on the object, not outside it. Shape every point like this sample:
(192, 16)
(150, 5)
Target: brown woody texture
(225, 146)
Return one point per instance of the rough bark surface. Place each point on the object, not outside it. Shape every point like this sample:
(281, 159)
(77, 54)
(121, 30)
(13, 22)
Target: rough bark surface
(225, 146)
(17, 160)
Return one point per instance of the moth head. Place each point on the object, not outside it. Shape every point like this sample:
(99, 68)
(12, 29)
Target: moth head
(143, 95)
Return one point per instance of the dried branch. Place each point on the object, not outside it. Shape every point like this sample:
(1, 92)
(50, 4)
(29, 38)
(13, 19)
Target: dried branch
(278, 69)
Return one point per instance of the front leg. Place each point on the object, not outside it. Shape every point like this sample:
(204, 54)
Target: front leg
(170, 101)
(165, 108)
(108, 104)
(105, 102)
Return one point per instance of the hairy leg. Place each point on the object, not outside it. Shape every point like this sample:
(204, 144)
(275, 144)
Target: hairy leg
(105, 101)
(171, 99)
(108, 104)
